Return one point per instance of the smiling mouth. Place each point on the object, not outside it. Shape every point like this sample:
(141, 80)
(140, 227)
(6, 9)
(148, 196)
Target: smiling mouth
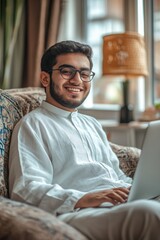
(73, 89)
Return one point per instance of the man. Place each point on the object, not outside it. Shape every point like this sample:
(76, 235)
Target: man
(61, 161)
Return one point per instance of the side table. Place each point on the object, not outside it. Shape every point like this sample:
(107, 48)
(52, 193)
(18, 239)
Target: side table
(130, 134)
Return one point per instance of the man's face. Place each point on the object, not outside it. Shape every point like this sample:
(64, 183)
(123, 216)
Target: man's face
(68, 94)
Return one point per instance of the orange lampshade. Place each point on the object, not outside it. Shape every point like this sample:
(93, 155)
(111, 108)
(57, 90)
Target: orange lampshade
(124, 54)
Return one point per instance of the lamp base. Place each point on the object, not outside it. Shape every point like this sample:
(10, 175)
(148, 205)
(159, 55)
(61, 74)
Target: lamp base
(126, 114)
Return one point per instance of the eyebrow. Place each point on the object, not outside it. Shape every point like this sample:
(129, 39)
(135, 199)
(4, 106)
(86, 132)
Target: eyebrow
(67, 65)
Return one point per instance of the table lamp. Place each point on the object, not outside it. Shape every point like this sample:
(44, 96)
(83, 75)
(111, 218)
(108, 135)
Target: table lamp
(124, 54)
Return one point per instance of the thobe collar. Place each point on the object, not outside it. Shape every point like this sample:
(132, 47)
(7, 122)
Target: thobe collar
(58, 111)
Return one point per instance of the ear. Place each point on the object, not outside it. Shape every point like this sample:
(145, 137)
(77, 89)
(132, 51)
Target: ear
(45, 79)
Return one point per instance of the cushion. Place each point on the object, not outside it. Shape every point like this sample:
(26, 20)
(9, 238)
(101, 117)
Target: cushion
(14, 104)
(21, 221)
(128, 158)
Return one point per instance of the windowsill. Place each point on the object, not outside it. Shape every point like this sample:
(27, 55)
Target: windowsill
(105, 111)
(102, 111)
(110, 107)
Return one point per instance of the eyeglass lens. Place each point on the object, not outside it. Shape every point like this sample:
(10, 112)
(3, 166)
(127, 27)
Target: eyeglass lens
(68, 73)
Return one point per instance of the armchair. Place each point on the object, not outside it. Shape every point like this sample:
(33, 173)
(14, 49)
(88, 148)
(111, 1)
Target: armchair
(19, 220)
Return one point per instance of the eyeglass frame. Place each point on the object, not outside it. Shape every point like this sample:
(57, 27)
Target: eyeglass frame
(92, 74)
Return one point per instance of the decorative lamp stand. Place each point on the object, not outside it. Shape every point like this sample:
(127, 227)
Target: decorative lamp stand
(126, 111)
(125, 54)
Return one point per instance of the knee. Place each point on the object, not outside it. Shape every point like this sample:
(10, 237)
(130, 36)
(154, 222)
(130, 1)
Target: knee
(142, 219)
(147, 206)
(145, 211)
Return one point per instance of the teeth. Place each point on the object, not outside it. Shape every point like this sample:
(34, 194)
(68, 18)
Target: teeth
(74, 89)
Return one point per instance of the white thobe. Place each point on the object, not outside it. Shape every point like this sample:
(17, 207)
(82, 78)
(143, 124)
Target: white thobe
(57, 156)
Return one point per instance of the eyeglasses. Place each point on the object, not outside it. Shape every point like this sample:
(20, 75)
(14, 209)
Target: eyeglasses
(69, 72)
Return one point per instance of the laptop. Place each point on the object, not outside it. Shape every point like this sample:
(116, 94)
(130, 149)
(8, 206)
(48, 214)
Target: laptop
(146, 181)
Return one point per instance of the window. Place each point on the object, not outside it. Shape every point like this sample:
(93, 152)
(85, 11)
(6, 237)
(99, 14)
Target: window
(90, 20)
(106, 17)
(152, 35)
(103, 17)
(156, 50)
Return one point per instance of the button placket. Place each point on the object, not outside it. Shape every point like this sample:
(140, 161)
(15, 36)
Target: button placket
(77, 124)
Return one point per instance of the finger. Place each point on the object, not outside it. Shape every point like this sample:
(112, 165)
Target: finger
(125, 190)
(117, 197)
(112, 201)
(124, 195)
(107, 195)
(122, 192)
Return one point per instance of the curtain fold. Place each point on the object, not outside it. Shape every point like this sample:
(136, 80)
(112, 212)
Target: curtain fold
(11, 19)
(43, 17)
(27, 28)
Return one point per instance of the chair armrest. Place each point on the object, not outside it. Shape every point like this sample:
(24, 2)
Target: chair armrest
(22, 221)
(128, 158)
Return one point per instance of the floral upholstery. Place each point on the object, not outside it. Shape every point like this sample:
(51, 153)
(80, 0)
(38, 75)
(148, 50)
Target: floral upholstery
(19, 221)
(35, 223)
(128, 158)
(13, 105)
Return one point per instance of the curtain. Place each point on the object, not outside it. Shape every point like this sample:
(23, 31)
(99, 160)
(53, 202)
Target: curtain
(43, 17)
(11, 22)
(27, 28)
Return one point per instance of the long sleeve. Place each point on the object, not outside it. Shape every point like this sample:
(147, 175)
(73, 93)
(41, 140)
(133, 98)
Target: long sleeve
(32, 173)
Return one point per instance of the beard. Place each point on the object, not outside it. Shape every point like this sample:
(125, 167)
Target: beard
(61, 99)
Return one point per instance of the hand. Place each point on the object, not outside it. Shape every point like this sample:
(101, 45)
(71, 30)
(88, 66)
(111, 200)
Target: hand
(95, 199)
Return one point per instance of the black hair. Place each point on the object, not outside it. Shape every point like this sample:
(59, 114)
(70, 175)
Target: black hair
(49, 57)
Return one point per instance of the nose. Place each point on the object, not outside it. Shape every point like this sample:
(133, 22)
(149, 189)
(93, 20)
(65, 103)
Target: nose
(76, 78)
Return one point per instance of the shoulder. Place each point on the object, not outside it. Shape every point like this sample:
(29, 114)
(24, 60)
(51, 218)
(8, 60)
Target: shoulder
(35, 114)
(31, 119)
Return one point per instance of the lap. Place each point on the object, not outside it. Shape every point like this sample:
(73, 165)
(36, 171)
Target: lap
(107, 211)
(111, 222)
